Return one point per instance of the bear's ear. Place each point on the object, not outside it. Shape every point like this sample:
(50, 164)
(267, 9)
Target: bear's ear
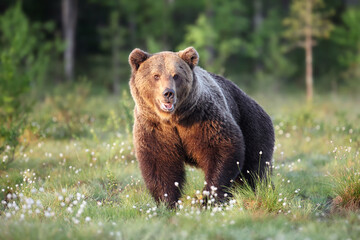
(136, 57)
(190, 56)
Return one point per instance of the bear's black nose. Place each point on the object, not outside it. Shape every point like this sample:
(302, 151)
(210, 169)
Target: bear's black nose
(169, 93)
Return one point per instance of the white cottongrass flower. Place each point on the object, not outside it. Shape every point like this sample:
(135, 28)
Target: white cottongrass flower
(47, 214)
(76, 221)
(206, 193)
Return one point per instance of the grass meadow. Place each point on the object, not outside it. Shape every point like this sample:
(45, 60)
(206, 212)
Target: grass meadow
(74, 176)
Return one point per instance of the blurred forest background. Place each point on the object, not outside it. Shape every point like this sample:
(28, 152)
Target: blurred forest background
(279, 47)
(256, 43)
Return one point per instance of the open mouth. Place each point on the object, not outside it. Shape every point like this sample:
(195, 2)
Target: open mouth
(167, 106)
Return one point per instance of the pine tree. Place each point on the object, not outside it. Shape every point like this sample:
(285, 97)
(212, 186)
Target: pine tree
(305, 23)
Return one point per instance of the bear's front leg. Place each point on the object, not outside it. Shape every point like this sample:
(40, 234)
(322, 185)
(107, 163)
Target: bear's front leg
(221, 169)
(161, 163)
(220, 154)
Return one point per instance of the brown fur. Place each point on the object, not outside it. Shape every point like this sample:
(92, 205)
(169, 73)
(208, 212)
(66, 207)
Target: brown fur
(204, 128)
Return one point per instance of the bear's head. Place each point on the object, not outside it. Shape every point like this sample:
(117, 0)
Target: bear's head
(163, 80)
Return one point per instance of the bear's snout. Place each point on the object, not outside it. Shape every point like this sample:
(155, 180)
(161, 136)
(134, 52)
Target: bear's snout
(168, 102)
(169, 94)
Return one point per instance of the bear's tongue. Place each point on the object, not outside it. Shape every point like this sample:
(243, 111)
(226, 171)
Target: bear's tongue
(168, 105)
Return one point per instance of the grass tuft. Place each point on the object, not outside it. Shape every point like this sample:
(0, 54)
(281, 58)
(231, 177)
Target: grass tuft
(347, 184)
(271, 195)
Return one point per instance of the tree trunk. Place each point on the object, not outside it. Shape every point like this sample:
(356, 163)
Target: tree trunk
(350, 3)
(116, 67)
(309, 69)
(115, 49)
(69, 17)
(285, 5)
(132, 29)
(308, 55)
(209, 13)
(257, 22)
(165, 21)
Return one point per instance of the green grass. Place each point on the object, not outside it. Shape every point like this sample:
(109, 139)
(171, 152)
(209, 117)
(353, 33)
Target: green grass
(75, 176)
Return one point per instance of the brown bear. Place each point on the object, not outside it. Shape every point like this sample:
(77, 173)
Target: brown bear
(186, 115)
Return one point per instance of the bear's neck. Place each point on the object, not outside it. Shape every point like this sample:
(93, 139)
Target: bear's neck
(191, 104)
(205, 92)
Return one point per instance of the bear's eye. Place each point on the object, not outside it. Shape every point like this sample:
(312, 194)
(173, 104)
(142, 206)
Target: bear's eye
(156, 77)
(175, 77)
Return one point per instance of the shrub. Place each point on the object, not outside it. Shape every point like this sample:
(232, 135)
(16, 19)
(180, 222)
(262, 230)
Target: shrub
(24, 61)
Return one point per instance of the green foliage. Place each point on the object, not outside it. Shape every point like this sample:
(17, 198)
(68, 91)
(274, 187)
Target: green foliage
(113, 40)
(10, 133)
(227, 34)
(199, 36)
(112, 189)
(25, 54)
(347, 38)
(217, 33)
(267, 49)
(15, 51)
(24, 61)
(306, 18)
